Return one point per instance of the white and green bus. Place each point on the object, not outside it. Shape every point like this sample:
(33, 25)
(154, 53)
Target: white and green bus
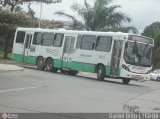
(108, 54)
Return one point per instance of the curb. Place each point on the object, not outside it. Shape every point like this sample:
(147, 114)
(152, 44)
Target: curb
(9, 68)
(5, 71)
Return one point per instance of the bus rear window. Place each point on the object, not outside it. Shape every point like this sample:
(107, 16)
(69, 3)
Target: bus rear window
(20, 37)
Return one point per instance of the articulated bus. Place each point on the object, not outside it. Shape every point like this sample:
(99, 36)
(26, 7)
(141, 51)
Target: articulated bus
(108, 54)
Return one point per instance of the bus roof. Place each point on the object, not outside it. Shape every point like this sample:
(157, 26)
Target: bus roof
(116, 34)
(71, 31)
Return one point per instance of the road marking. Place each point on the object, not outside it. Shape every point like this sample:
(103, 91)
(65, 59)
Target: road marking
(19, 89)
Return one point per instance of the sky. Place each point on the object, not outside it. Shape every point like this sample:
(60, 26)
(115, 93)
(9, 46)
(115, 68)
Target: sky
(142, 12)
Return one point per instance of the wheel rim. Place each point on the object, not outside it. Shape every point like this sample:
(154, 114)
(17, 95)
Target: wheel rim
(40, 62)
(157, 79)
(49, 66)
(99, 72)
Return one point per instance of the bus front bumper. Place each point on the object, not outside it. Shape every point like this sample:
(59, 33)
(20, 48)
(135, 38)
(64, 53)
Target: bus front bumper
(136, 76)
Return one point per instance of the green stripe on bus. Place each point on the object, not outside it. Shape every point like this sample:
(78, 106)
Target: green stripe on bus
(57, 63)
(25, 59)
(86, 67)
(78, 66)
(30, 59)
(17, 57)
(108, 70)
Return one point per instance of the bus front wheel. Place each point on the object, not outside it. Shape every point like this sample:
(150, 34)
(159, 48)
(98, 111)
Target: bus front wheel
(126, 81)
(101, 73)
(40, 63)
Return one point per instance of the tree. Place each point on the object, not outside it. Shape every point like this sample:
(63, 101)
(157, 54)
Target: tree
(100, 17)
(13, 3)
(18, 9)
(8, 24)
(128, 29)
(153, 31)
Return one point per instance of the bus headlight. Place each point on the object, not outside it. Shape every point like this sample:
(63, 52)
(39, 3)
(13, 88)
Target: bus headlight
(125, 67)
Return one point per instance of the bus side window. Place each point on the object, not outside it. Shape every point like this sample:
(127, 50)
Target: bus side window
(37, 39)
(103, 43)
(58, 40)
(79, 38)
(47, 39)
(88, 42)
(20, 37)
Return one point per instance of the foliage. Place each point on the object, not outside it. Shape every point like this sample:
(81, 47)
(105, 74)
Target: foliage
(1, 53)
(100, 17)
(13, 3)
(129, 29)
(13, 16)
(8, 24)
(153, 31)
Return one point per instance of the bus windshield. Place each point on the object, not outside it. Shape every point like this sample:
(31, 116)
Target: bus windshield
(139, 54)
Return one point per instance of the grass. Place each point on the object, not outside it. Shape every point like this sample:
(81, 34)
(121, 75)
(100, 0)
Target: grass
(1, 53)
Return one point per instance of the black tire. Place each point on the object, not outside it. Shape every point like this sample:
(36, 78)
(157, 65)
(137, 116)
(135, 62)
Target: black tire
(101, 73)
(40, 63)
(55, 70)
(63, 71)
(48, 65)
(158, 79)
(126, 81)
(71, 72)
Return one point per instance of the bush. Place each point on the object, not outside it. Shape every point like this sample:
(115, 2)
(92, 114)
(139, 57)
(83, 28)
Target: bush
(1, 53)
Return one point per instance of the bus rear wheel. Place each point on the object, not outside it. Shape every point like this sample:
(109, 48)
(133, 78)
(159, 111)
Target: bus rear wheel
(40, 63)
(72, 72)
(48, 65)
(158, 79)
(126, 81)
(63, 71)
(101, 73)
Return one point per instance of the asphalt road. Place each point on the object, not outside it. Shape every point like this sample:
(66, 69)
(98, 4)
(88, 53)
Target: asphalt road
(39, 91)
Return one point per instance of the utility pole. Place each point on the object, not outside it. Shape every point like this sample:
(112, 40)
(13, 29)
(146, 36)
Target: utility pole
(40, 16)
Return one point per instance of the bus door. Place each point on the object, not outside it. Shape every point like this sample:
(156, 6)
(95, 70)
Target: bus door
(68, 51)
(116, 55)
(27, 45)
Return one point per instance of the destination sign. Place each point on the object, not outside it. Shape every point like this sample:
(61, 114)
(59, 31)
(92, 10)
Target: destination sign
(140, 39)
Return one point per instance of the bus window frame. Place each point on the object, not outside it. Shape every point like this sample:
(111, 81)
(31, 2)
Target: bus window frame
(111, 40)
(36, 38)
(44, 40)
(62, 39)
(23, 37)
(93, 43)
